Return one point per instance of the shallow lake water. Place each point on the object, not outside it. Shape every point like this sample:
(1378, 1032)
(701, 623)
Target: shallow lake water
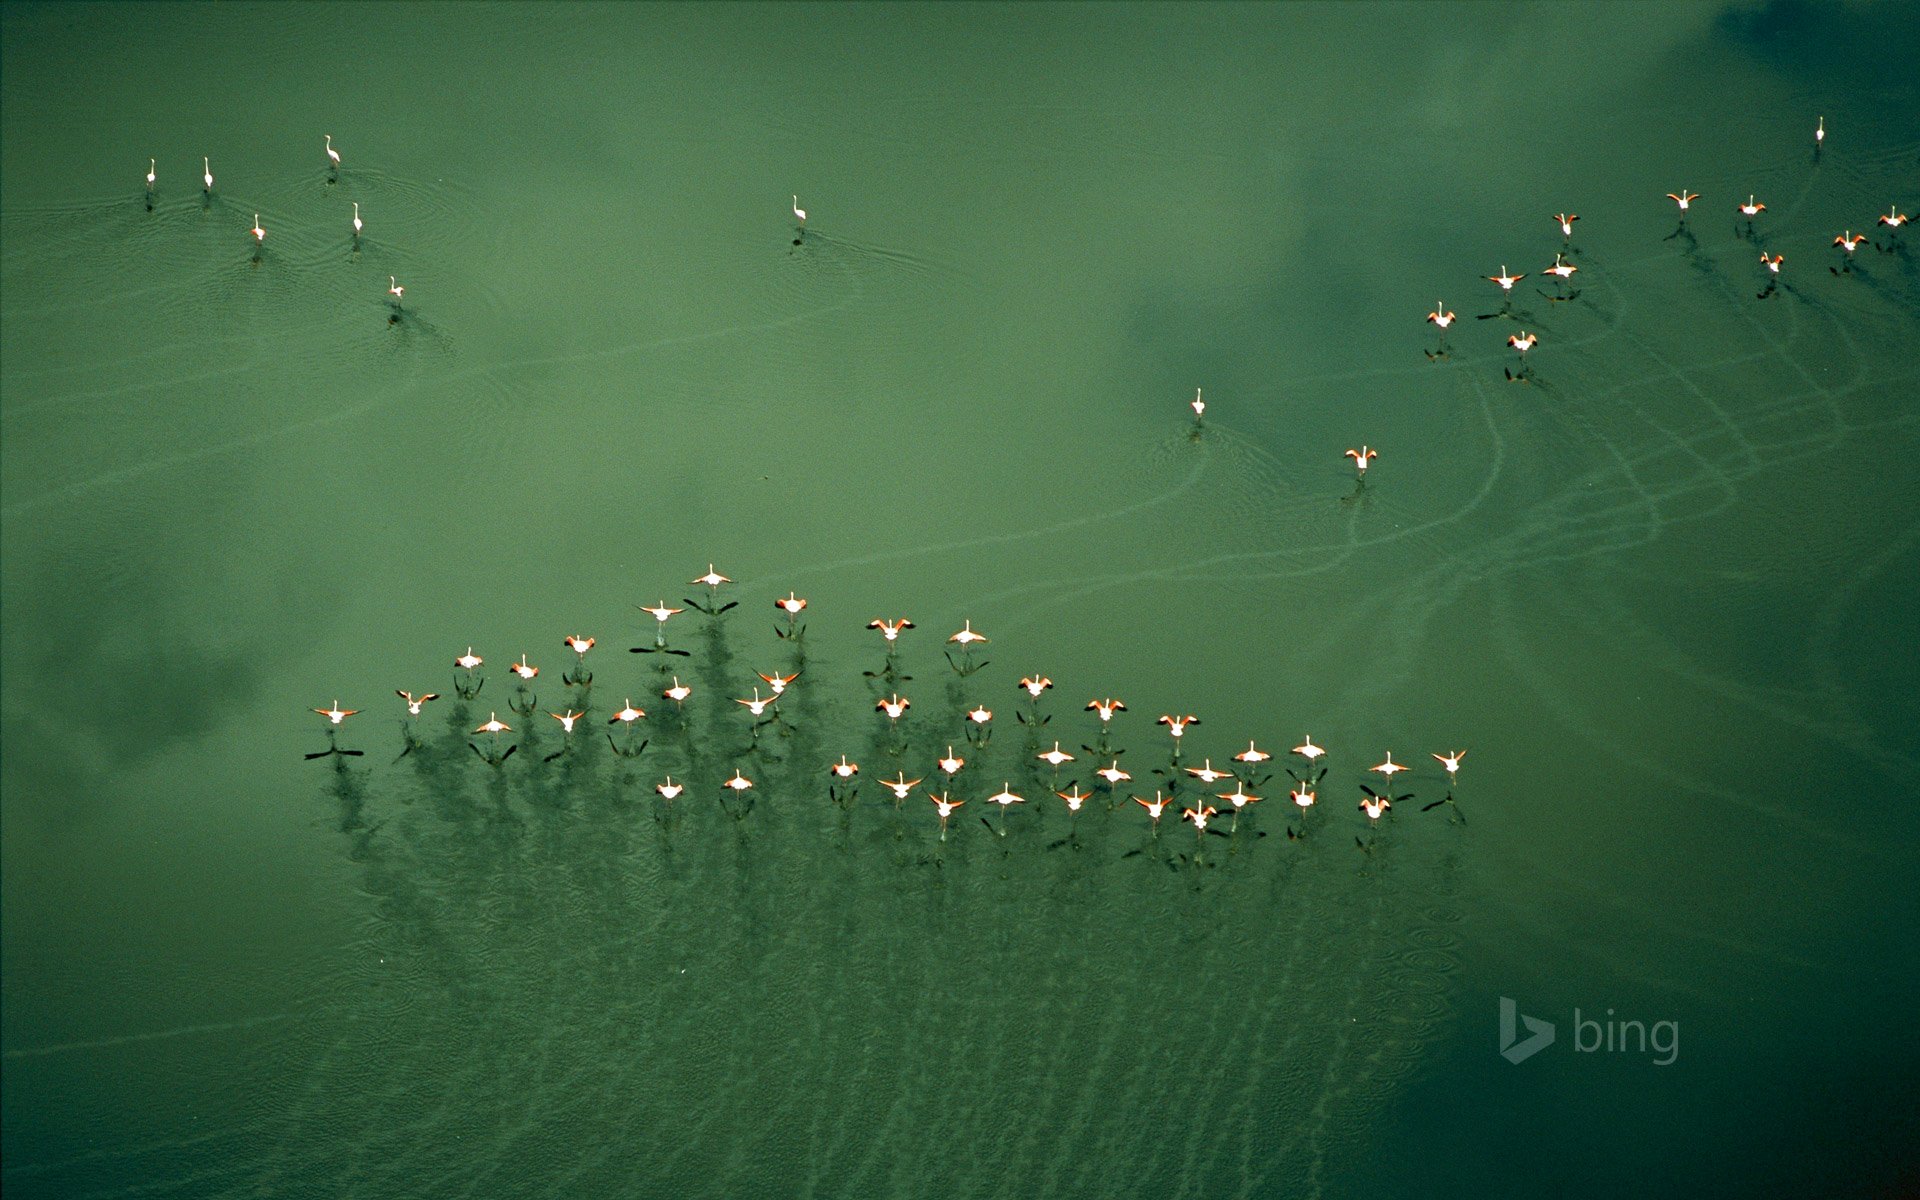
(1660, 587)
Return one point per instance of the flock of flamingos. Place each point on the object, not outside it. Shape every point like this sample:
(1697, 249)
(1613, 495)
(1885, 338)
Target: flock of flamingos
(843, 775)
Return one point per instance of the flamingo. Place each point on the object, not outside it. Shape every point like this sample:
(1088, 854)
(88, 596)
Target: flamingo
(333, 156)
(206, 176)
(1389, 768)
(777, 681)
(799, 214)
(1561, 268)
(669, 790)
(1848, 240)
(151, 164)
(1055, 756)
(356, 219)
(951, 764)
(1772, 264)
(336, 714)
(1362, 459)
(1820, 132)
(259, 234)
(1206, 774)
(1565, 222)
(1751, 208)
(396, 290)
(1505, 280)
(844, 769)
(1683, 198)
(414, 702)
(1106, 708)
(1155, 808)
(1113, 774)
(1074, 797)
(627, 715)
(1308, 750)
(890, 630)
(1452, 763)
(494, 725)
(1894, 218)
(1035, 684)
(566, 719)
(1441, 315)
(900, 785)
(945, 808)
(1199, 406)
(1252, 754)
(678, 693)
(469, 660)
(1302, 795)
(523, 668)
(1198, 815)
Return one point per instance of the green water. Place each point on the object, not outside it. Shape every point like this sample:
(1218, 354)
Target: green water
(1662, 593)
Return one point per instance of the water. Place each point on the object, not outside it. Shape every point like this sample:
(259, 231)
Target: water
(1662, 593)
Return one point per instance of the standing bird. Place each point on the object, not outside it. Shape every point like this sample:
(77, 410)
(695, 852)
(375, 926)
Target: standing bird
(356, 221)
(467, 686)
(1847, 241)
(259, 234)
(207, 174)
(151, 164)
(660, 612)
(799, 214)
(1751, 209)
(395, 290)
(1565, 222)
(1308, 750)
(1819, 136)
(1199, 407)
(1452, 763)
(1439, 318)
(1362, 459)
(333, 156)
(579, 645)
(1683, 198)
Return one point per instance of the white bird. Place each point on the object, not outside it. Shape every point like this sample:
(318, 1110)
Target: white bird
(395, 290)
(207, 165)
(799, 214)
(259, 234)
(151, 163)
(332, 154)
(356, 218)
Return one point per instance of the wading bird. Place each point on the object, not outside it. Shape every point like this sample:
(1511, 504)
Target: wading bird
(951, 764)
(206, 175)
(1362, 459)
(333, 156)
(1451, 762)
(356, 220)
(712, 581)
(1565, 222)
(1308, 750)
(1505, 280)
(799, 214)
(259, 234)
